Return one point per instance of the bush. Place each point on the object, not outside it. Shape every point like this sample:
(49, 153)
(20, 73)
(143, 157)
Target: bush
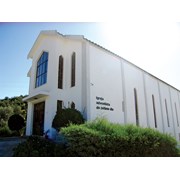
(3, 123)
(82, 141)
(16, 122)
(105, 139)
(36, 146)
(5, 132)
(64, 117)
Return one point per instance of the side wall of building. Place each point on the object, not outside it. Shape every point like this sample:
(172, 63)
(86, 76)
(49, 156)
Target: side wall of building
(124, 93)
(133, 81)
(106, 90)
(154, 112)
(175, 106)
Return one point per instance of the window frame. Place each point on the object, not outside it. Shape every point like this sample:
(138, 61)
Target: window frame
(41, 69)
(73, 105)
(60, 72)
(167, 113)
(154, 111)
(177, 118)
(73, 69)
(136, 107)
(59, 105)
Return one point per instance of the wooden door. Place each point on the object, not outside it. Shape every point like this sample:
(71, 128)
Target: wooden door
(38, 122)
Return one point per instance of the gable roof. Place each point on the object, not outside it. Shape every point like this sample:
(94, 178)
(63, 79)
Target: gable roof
(41, 35)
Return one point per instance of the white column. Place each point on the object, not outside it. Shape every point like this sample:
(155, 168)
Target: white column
(29, 122)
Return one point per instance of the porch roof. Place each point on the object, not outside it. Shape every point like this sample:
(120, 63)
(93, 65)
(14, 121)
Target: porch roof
(36, 96)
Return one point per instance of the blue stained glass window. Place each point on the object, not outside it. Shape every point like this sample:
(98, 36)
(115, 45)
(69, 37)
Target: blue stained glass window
(45, 57)
(41, 74)
(45, 66)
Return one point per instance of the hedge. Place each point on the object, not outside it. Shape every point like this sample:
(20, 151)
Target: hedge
(101, 138)
(36, 146)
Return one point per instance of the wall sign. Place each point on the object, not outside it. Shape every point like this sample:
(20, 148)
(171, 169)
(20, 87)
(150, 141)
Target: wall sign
(101, 104)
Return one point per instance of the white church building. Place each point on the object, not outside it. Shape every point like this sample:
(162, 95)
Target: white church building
(72, 71)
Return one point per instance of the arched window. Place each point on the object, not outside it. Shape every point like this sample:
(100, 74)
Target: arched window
(59, 105)
(60, 73)
(176, 115)
(41, 72)
(73, 106)
(167, 114)
(154, 111)
(136, 107)
(73, 69)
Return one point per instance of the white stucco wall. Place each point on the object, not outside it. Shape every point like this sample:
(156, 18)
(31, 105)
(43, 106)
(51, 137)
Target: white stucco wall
(133, 78)
(105, 85)
(151, 86)
(165, 94)
(68, 94)
(175, 110)
(29, 119)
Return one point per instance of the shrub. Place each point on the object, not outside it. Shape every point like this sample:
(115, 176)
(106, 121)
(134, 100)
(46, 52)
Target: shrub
(102, 138)
(3, 123)
(5, 132)
(82, 141)
(16, 122)
(64, 117)
(36, 146)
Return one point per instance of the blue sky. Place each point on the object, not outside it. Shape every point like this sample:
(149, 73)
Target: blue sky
(16, 40)
(150, 45)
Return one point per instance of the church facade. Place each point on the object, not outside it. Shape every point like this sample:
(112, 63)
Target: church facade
(72, 71)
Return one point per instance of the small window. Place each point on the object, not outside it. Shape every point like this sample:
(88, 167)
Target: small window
(73, 69)
(167, 114)
(41, 72)
(60, 73)
(122, 106)
(176, 115)
(136, 107)
(59, 105)
(73, 105)
(154, 111)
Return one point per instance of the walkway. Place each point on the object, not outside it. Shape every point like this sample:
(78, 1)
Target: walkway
(7, 145)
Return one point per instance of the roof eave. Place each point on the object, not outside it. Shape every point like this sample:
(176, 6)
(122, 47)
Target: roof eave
(38, 39)
(38, 95)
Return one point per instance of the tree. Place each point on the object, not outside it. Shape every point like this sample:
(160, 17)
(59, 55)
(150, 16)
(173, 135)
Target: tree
(5, 113)
(17, 109)
(16, 123)
(16, 103)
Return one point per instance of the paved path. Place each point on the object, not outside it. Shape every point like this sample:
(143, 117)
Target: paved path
(8, 144)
